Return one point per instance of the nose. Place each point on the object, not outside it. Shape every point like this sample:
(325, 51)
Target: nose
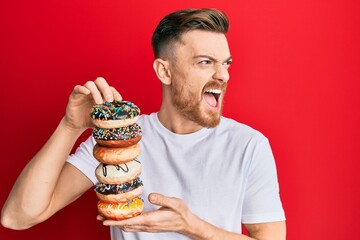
(221, 73)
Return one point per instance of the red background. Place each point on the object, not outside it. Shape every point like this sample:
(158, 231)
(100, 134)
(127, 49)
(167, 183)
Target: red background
(295, 78)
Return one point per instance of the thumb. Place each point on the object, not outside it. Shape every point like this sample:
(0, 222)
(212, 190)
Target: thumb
(164, 201)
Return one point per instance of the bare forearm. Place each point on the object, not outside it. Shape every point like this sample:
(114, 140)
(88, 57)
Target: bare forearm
(39, 177)
(260, 231)
(201, 230)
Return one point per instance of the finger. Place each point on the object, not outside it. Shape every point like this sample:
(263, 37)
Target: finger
(81, 89)
(170, 202)
(100, 218)
(132, 229)
(137, 228)
(116, 94)
(127, 229)
(104, 88)
(90, 85)
(138, 220)
(144, 219)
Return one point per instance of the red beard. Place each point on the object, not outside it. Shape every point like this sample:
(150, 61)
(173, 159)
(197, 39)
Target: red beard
(186, 102)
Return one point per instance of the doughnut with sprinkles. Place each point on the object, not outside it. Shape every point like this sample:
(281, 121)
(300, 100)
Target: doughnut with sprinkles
(122, 210)
(118, 137)
(115, 114)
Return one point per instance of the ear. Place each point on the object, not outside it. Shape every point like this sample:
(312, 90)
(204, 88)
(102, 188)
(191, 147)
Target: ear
(162, 71)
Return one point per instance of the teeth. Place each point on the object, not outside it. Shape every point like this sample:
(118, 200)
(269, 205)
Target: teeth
(215, 91)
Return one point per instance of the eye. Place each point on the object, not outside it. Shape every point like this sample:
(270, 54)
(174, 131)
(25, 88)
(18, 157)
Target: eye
(205, 62)
(227, 63)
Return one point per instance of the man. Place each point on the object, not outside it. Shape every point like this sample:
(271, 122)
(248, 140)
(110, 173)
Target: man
(204, 174)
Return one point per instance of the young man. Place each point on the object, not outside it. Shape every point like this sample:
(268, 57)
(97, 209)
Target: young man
(207, 173)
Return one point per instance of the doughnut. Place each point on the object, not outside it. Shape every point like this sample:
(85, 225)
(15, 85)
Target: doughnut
(115, 114)
(119, 173)
(113, 193)
(120, 211)
(115, 155)
(118, 137)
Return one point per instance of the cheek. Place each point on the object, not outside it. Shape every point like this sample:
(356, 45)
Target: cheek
(191, 81)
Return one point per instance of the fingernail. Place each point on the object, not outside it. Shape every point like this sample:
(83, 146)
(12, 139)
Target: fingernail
(109, 98)
(118, 98)
(152, 198)
(99, 101)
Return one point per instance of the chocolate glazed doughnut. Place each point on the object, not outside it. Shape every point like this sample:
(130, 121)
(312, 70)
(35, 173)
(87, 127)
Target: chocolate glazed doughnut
(118, 137)
(114, 193)
(115, 114)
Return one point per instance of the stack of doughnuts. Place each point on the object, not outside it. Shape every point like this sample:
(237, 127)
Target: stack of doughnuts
(117, 147)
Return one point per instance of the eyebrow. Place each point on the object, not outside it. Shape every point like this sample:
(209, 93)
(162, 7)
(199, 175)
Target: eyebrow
(213, 59)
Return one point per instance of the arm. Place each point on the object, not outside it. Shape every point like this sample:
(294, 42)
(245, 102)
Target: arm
(47, 183)
(39, 190)
(174, 216)
(270, 230)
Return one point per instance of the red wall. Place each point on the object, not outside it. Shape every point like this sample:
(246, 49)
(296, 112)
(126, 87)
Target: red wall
(295, 77)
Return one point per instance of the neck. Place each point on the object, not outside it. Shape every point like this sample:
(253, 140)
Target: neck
(174, 121)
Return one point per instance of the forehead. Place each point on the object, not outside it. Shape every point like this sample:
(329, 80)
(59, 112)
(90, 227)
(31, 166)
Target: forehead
(200, 42)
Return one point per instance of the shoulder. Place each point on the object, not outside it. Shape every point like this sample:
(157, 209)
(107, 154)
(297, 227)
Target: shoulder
(239, 130)
(146, 118)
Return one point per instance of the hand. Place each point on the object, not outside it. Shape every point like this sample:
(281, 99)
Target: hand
(83, 98)
(172, 216)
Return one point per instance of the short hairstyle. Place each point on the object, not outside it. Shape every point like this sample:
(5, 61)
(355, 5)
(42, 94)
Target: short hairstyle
(172, 26)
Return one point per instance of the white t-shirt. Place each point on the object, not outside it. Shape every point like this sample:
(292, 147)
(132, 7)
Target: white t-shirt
(226, 175)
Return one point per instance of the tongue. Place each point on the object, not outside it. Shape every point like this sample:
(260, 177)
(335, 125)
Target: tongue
(210, 99)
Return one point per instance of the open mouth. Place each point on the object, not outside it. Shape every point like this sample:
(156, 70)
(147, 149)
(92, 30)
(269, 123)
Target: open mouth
(211, 96)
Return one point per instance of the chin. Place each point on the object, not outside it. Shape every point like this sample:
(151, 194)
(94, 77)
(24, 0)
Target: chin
(211, 123)
(209, 119)
(205, 119)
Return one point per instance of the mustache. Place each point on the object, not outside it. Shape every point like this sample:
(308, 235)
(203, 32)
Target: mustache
(215, 85)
